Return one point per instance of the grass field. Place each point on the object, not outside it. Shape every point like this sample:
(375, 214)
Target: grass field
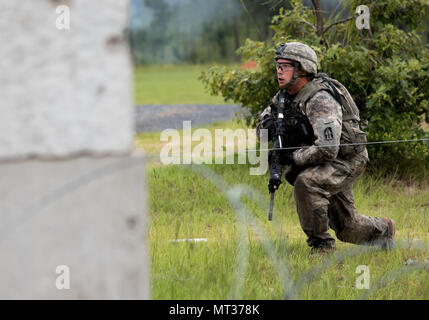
(248, 257)
(185, 205)
(171, 85)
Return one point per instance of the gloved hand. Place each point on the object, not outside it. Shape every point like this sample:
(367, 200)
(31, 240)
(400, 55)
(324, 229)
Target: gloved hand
(274, 183)
(287, 157)
(269, 123)
(292, 173)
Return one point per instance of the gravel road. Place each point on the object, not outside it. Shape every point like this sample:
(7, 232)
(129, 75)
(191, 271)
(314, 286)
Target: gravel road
(160, 117)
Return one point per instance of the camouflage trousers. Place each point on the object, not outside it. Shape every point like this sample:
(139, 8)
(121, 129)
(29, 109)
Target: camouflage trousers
(324, 198)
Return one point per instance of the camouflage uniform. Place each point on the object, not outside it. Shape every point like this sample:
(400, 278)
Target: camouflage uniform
(324, 187)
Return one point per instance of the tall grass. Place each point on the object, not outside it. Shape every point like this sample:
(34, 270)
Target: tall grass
(184, 205)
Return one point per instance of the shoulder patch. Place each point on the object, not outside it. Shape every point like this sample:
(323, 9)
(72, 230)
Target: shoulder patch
(328, 131)
(328, 134)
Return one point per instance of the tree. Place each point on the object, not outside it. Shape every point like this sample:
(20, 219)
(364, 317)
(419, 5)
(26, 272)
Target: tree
(196, 31)
(385, 69)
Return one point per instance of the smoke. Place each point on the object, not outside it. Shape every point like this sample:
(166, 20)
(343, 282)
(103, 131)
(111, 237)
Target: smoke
(188, 15)
(168, 31)
(141, 16)
(200, 31)
(192, 15)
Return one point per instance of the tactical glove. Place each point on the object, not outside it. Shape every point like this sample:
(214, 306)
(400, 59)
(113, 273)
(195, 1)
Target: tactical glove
(292, 173)
(288, 158)
(274, 183)
(275, 171)
(269, 123)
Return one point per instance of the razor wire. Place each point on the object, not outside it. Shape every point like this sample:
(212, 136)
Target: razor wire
(351, 144)
(337, 257)
(243, 217)
(224, 152)
(309, 275)
(291, 289)
(393, 275)
(340, 256)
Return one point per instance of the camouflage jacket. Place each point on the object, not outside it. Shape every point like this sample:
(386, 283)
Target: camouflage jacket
(325, 116)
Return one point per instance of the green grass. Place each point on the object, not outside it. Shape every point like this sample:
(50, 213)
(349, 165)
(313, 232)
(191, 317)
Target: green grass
(183, 204)
(171, 85)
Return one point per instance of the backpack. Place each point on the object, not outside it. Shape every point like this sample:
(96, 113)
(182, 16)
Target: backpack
(353, 139)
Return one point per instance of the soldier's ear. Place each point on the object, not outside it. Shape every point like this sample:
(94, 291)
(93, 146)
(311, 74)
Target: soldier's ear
(302, 73)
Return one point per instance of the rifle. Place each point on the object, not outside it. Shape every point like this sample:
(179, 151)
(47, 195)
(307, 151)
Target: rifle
(270, 213)
(275, 159)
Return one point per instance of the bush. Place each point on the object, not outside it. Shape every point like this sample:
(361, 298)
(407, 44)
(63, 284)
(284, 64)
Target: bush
(384, 68)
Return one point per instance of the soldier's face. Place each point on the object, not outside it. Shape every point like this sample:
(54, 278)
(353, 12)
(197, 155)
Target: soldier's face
(284, 72)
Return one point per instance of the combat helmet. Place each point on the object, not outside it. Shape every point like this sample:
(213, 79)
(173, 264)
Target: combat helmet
(299, 52)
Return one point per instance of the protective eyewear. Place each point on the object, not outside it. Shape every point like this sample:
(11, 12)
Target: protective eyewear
(284, 66)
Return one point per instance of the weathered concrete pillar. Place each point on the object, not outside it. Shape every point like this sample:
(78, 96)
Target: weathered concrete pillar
(72, 191)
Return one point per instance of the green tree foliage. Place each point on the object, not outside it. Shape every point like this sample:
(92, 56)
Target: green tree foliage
(384, 68)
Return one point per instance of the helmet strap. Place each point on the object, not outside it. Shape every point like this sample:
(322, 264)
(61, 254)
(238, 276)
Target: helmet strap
(294, 77)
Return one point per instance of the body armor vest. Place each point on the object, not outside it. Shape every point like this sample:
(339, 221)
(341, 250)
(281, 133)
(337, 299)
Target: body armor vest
(298, 128)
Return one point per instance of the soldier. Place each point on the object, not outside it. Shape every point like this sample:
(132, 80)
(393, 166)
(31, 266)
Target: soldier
(320, 114)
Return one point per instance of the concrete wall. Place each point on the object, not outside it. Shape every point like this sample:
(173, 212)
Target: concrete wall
(72, 191)
(64, 91)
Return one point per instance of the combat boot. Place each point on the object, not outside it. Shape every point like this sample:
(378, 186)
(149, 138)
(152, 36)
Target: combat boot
(388, 240)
